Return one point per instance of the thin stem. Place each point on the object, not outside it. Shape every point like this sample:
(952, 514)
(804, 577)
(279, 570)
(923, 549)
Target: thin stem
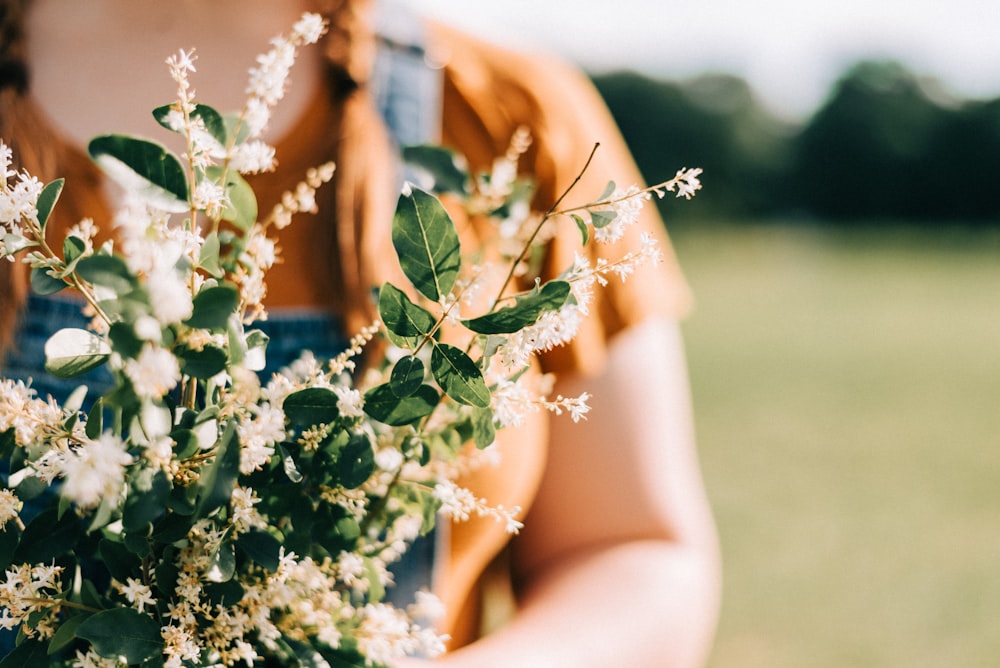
(538, 228)
(59, 602)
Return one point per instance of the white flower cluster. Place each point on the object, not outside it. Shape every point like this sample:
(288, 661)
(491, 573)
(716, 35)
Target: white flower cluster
(31, 418)
(461, 504)
(18, 204)
(625, 207)
(513, 400)
(31, 590)
(268, 77)
(685, 182)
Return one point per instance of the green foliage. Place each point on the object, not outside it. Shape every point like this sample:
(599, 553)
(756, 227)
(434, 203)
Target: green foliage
(526, 310)
(71, 352)
(446, 168)
(122, 632)
(384, 405)
(47, 200)
(404, 321)
(459, 376)
(311, 406)
(160, 174)
(426, 242)
(213, 306)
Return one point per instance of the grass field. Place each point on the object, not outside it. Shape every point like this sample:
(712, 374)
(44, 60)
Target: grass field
(847, 391)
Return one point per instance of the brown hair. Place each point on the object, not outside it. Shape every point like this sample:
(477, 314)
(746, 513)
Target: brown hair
(360, 150)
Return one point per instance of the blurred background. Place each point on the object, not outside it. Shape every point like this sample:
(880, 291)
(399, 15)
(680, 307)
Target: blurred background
(844, 351)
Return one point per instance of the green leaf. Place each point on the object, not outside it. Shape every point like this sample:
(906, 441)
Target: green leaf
(483, 431)
(218, 479)
(241, 202)
(66, 633)
(147, 505)
(214, 123)
(95, 420)
(459, 376)
(143, 167)
(356, 461)
(581, 225)
(73, 248)
(402, 317)
(376, 590)
(446, 167)
(109, 271)
(407, 376)
(47, 200)
(608, 189)
(29, 654)
(48, 537)
(382, 404)
(262, 547)
(601, 217)
(8, 543)
(119, 561)
(122, 632)
(208, 258)
(524, 312)
(223, 563)
(213, 306)
(426, 242)
(226, 593)
(124, 340)
(71, 352)
(311, 406)
(43, 283)
(288, 464)
(175, 525)
(203, 363)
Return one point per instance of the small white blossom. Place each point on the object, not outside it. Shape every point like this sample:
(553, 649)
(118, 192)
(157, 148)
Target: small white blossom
(258, 435)
(138, 594)
(95, 471)
(350, 403)
(91, 659)
(10, 506)
(626, 205)
(154, 373)
(309, 28)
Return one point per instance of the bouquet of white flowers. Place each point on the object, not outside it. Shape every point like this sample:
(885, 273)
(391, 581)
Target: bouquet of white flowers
(199, 515)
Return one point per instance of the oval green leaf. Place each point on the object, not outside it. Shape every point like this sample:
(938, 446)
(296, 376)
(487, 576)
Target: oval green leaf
(311, 406)
(407, 376)
(382, 404)
(446, 168)
(459, 376)
(356, 462)
(213, 306)
(143, 167)
(401, 316)
(426, 242)
(47, 200)
(122, 632)
(524, 312)
(43, 283)
(71, 352)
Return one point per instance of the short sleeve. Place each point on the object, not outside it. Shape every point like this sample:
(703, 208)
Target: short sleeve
(489, 92)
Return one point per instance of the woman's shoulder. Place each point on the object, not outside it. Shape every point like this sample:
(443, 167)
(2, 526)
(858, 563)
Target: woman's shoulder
(504, 88)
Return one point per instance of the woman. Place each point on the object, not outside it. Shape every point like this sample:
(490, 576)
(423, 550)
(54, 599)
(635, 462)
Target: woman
(617, 562)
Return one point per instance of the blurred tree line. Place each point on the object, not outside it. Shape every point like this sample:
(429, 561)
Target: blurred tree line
(886, 145)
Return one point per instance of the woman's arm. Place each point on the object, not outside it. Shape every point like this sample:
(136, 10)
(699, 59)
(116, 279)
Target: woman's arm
(618, 555)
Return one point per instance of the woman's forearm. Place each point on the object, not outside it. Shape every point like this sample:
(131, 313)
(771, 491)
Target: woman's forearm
(642, 603)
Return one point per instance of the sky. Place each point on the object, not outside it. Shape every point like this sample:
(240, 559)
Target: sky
(791, 51)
